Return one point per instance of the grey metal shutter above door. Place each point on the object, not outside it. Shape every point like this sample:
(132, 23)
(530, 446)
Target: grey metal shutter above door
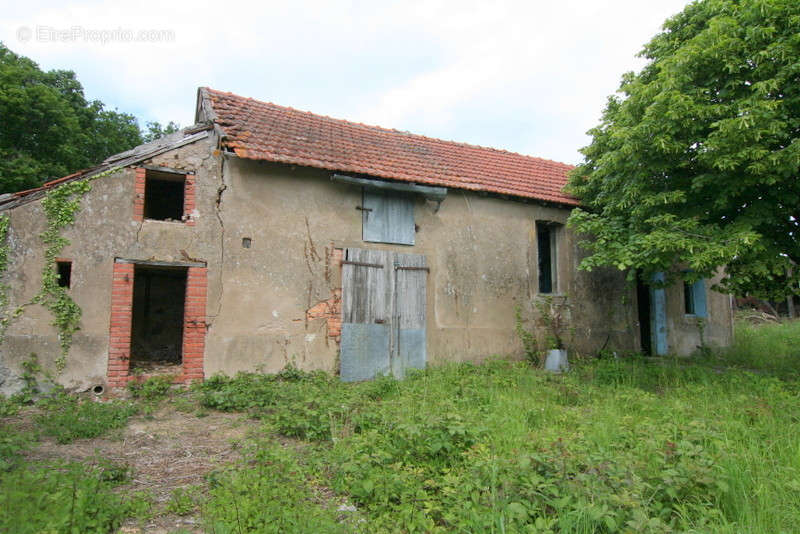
(388, 217)
(383, 314)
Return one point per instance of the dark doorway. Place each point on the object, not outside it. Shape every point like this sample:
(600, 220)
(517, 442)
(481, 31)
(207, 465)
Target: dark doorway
(157, 330)
(643, 300)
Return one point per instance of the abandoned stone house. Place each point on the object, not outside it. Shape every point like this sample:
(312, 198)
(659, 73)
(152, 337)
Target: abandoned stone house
(264, 236)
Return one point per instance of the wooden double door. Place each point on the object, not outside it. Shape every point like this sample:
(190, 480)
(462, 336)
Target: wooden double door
(383, 313)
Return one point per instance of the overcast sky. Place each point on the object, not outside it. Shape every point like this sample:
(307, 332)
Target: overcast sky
(529, 76)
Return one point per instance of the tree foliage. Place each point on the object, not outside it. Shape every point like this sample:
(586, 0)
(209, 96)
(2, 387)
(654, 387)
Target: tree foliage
(156, 131)
(695, 164)
(49, 129)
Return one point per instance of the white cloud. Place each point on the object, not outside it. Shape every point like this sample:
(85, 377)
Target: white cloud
(529, 76)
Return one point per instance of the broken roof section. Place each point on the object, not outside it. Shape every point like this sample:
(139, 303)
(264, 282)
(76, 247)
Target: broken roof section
(123, 159)
(263, 131)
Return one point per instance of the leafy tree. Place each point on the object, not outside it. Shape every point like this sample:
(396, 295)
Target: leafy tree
(696, 164)
(156, 131)
(48, 128)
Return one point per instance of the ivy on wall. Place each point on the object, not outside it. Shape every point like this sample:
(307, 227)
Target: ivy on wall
(60, 206)
(4, 319)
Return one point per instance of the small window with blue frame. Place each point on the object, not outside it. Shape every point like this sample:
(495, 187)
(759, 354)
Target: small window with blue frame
(694, 298)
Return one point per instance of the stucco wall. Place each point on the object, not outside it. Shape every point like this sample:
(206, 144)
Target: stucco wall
(684, 331)
(481, 251)
(104, 230)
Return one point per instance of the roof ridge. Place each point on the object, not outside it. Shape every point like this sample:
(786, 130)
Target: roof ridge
(390, 130)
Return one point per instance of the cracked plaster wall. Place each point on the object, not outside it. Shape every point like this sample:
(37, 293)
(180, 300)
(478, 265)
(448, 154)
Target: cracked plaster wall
(269, 303)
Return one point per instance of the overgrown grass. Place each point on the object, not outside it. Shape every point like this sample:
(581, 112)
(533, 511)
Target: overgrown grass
(772, 348)
(619, 445)
(65, 499)
(67, 417)
(270, 493)
(636, 445)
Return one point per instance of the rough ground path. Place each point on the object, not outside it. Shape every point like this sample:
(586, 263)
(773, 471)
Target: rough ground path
(164, 451)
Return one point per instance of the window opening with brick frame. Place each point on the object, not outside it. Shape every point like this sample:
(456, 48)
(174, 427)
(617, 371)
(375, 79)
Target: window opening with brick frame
(164, 196)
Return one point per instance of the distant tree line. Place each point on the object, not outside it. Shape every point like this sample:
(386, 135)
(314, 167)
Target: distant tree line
(49, 129)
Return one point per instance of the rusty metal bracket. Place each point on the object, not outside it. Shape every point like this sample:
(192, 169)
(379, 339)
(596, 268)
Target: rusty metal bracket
(400, 267)
(362, 264)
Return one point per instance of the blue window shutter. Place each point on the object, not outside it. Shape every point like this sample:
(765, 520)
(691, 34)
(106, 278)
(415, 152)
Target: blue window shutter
(699, 297)
(388, 217)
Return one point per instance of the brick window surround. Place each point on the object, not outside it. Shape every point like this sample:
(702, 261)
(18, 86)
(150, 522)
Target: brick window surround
(194, 325)
(139, 194)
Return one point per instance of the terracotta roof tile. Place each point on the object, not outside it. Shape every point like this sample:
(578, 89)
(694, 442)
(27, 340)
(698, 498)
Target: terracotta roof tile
(264, 131)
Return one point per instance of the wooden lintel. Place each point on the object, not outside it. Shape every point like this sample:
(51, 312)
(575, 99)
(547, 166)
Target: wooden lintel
(155, 263)
(432, 193)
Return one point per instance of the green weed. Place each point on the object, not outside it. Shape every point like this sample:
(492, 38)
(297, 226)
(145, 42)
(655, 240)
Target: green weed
(67, 417)
(269, 494)
(59, 499)
(182, 501)
(154, 388)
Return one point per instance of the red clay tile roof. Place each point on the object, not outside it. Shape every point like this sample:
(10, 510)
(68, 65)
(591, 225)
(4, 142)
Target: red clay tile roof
(263, 131)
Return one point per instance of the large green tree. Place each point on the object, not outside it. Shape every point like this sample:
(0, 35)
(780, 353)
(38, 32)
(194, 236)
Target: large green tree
(696, 163)
(47, 127)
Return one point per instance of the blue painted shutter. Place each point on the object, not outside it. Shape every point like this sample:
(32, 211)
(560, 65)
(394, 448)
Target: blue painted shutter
(388, 217)
(699, 297)
(658, 316)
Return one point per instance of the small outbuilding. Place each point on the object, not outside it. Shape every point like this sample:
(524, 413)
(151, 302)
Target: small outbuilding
(264, 236)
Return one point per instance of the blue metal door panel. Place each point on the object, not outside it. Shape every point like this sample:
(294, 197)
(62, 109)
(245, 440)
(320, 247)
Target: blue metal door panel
(364, 351)
(383, 314)
(658, 314)
(412, 353)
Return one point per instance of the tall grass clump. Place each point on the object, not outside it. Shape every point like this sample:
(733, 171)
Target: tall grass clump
(771, 347)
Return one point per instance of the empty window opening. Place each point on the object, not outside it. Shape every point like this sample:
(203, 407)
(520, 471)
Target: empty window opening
(546, 237)
(246, 242)
(694, 298)
(64, 272)
(164, 195)
(688, 298)
(159, 294)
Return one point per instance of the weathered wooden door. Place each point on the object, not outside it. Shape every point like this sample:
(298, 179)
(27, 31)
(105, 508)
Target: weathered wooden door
(383, 313)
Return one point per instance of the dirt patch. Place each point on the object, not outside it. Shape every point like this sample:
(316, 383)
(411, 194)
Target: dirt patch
(164, 451)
